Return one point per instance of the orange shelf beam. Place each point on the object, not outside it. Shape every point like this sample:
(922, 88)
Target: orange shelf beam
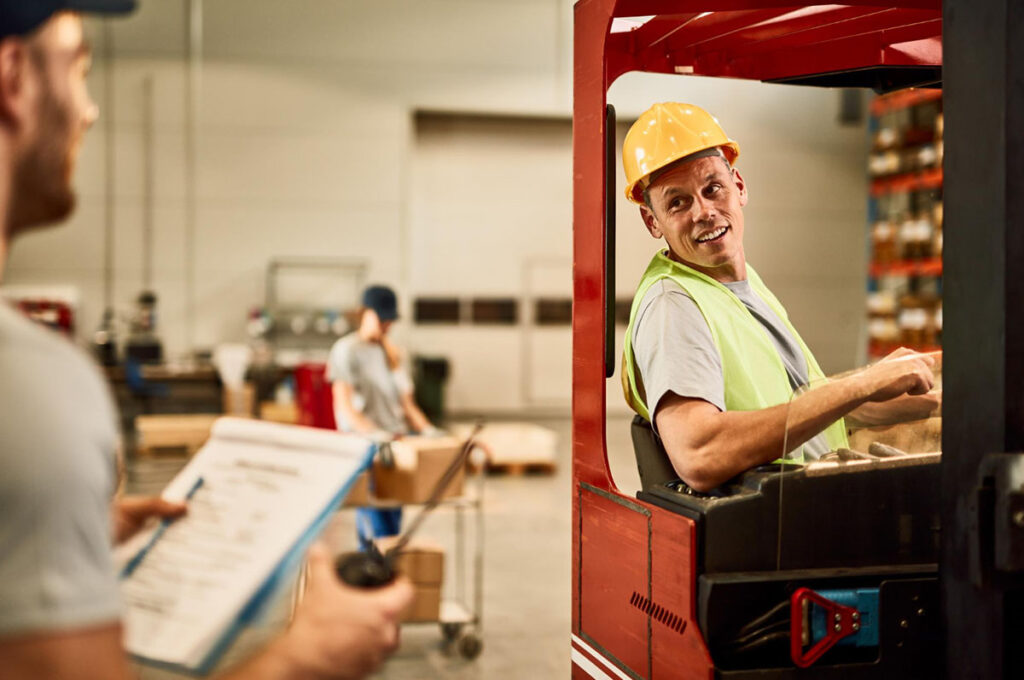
(902, 99)
(929, 267)
(911, 181)
(878, 350)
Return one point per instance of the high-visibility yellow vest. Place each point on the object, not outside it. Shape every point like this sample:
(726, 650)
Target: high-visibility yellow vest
(755, 377)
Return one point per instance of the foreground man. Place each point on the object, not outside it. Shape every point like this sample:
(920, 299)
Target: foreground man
(710, 356)
(59, 613)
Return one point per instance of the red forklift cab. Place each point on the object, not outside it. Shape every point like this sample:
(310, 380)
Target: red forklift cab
(663, 583)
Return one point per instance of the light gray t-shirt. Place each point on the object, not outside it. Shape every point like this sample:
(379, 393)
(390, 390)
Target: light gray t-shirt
(58, 439)
(376, 388)
(676, 353)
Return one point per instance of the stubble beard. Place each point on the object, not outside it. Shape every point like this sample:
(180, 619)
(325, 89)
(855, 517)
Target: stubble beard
(42, 192)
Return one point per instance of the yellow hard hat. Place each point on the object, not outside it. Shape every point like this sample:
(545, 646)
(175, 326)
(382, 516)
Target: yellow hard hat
(664, 134)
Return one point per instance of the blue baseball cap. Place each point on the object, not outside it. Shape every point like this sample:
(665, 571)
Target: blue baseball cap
(21, 17)
(382, 300)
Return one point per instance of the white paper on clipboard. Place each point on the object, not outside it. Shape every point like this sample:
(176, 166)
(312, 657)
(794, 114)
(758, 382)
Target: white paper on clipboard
(267, 490)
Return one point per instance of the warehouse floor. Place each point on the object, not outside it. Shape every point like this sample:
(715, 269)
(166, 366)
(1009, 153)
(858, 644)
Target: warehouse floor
(527, 592)
(526, 575)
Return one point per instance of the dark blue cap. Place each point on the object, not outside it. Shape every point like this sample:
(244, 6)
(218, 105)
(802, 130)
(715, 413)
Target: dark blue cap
(382, 300)
(21, 17)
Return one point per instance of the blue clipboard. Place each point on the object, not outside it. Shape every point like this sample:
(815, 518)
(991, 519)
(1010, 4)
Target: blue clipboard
(278, 577)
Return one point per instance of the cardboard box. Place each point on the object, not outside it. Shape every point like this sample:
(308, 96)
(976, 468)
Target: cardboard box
(426, 604)
(419, 463)
(359, 494)
(919, 436)
(240, 402)
(421, 561)
(279, 413)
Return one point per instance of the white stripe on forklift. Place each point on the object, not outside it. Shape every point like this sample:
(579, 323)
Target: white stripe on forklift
(588, 666)
(590, 650)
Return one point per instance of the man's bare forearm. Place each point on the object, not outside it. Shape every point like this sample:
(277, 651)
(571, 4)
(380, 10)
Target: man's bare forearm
(710, 446)
(414, 416)
(900, 410)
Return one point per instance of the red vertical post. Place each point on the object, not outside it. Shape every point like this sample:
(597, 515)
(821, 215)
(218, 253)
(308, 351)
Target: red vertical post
(591, 25)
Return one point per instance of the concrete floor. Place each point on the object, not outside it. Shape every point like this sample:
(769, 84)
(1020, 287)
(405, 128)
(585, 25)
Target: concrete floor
(527, 565)
(526, 575)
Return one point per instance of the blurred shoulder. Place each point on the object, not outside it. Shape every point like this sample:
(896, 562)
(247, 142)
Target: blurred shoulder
(52, 391)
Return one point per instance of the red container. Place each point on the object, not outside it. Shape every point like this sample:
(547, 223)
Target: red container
(313, 394)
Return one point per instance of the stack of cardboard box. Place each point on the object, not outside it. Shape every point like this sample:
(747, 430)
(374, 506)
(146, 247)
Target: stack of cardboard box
(422, 562)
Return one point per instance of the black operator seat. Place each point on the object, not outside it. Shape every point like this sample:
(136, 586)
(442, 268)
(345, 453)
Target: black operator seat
(658, 476)
(651, 459)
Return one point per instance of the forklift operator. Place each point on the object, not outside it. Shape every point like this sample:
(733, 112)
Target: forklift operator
(710, 357)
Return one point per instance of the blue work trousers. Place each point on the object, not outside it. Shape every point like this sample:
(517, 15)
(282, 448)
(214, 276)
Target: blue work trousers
(374, 523)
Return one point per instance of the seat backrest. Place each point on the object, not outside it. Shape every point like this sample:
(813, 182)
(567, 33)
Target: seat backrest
(651, 459)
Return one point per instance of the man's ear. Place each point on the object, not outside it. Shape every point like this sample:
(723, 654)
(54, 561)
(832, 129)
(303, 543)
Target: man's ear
(14, 60)
(741, 185)
(650, 221)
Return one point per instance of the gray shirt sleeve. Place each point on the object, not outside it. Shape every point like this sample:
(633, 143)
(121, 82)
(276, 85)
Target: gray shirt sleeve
(674, 350)
(339, 362)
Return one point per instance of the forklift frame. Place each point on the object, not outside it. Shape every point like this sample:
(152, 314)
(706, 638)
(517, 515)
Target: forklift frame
(863, 44)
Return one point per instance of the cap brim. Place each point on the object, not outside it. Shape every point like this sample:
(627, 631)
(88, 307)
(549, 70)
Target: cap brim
(101, 6)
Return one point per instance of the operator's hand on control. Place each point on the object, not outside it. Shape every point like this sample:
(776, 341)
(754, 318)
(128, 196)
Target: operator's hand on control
(903, 372)
(339, 632)
(131, 513)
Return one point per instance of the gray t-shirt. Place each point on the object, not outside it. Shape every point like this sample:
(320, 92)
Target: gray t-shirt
(376, 388)
(676, 353)
(58, 441)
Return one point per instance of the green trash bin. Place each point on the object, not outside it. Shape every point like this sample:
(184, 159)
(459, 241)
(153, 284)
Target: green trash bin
(429, 376)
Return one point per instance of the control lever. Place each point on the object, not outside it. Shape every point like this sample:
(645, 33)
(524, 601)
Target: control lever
(371, 568)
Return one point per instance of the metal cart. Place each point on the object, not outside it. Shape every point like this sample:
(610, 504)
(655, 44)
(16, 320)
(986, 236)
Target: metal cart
(461, 614)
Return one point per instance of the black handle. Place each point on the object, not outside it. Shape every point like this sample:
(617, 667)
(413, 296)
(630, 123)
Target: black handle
(369, 569)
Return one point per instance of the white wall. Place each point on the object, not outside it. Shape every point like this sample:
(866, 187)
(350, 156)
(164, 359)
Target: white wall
(307, 145)
(490, 215)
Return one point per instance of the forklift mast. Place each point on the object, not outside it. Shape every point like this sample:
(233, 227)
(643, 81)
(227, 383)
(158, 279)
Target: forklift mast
(657, 577)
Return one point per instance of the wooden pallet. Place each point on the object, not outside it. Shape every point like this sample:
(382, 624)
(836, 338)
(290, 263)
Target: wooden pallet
(168, 451)
(514, 449)
(172, 435)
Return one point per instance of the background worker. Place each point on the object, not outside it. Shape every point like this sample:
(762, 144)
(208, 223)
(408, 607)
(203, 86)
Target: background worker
(710, 356)
(59, 605)
(373, 393)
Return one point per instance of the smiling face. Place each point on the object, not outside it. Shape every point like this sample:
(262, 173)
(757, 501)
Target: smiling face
(697, 207)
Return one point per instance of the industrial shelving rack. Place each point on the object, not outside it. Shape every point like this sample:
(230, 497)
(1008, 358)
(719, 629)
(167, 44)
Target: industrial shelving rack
(904, 302)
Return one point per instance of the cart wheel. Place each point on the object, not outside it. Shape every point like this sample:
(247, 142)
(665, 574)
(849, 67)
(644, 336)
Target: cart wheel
(450, 631)
(470, 646)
